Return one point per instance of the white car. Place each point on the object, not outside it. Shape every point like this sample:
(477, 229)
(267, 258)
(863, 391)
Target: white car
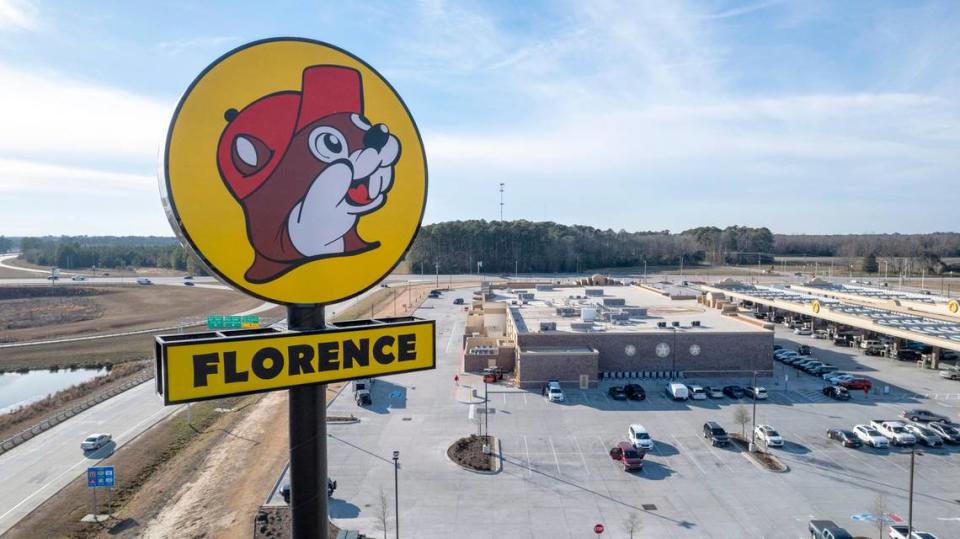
(553, 392)
(769, 436)
(837, 377)
(758, 392)
(697, 393)
(95, 441)
(870, 436)
(639, 437)
(78, 278)
(896, 432)
(803, 331)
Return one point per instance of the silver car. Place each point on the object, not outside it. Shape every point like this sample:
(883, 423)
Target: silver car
(95, 441)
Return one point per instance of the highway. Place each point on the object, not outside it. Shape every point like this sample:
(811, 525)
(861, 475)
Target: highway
(39, 468)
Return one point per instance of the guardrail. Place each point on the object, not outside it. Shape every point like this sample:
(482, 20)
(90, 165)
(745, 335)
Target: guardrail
(50, 422)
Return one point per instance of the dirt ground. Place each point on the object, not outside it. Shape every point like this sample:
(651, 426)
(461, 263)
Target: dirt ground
(131, 308)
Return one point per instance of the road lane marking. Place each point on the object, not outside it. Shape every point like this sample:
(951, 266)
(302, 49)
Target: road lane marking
(526, 451)
(555, 459)
(582, 458)
(689, 457)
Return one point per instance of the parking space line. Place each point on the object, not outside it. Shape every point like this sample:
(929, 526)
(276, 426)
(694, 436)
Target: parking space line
(526, 452)
(524, 398)
(555, 459)
(690, 457)
(582, 458)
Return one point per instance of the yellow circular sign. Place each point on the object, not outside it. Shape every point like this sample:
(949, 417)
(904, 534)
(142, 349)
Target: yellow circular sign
(295, 172)
(815, 306)
(953, 306)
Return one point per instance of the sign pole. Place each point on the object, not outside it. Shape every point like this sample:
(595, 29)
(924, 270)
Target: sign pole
(308, 441)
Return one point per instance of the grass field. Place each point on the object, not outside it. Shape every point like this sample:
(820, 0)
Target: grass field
(113, 272)
(131, 308)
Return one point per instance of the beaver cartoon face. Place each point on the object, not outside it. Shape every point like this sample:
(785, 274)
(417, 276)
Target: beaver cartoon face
(305, 167)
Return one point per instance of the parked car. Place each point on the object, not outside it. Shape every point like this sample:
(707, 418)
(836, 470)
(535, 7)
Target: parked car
(803, 350)
(827, 529)
(285, 490)
(696, 392)
(919, 414)
(553, 392)
(458, 301)
(734, 392)
(870, 436)
(638, 436)
(635, 392)
(777, 347)
(715, 433)
(837, 377)
(713, 392)
(845, 437)
(925, 436)
(948, 431)
(950, 374)
(95, 441)
(755, 392)
(803, 331)
(895, 431)
(858, 383)
(837, 392)
(873, 351)
(769, 436)
(899, 531)
(677, 392)
(906, 355)
(630, 457)
(617, 393)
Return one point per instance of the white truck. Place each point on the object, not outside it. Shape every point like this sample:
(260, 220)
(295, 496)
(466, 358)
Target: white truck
(361, 391)
(895, 431)
(677, 392)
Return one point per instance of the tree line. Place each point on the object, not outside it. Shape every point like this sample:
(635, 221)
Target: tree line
(543, 247)
(83, 252)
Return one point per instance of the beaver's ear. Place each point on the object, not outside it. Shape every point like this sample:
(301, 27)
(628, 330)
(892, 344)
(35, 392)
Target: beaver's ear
(249, 154)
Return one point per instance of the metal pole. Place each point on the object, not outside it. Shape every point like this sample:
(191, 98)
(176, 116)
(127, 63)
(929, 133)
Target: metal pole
(486, 415)
(913, 453)
(396, 493)
(308, 442)
(753, 431)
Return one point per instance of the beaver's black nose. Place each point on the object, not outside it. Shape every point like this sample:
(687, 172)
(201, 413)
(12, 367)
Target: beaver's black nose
(376, 137)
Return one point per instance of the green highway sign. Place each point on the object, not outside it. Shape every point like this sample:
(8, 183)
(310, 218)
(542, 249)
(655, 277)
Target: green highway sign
(232, 322)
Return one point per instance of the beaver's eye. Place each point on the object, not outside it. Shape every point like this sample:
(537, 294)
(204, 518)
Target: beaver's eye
(328, 144)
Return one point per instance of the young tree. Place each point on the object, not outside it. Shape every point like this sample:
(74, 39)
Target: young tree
(741, 416)
(632, 524)
(383, 512)
(879, 511)
(869, 263)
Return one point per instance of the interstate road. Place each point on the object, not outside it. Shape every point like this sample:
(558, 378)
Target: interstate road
(36, 470)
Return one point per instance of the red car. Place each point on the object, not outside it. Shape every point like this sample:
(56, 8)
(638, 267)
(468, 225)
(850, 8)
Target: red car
(629, 456)
(858, 383)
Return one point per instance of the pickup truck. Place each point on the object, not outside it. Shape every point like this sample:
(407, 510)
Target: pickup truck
(950, 374)
(827, 529)
(894, 430)
(899, 531)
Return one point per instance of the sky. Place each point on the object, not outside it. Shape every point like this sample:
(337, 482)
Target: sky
(803, 116)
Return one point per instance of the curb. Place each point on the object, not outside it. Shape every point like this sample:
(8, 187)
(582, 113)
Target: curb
(755, 462)
(498, 454)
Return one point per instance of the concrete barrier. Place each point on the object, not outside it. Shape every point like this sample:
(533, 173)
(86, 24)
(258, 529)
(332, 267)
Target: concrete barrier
(50, 422)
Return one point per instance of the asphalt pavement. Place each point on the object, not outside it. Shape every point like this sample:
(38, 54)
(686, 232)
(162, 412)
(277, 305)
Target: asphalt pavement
(37, 469)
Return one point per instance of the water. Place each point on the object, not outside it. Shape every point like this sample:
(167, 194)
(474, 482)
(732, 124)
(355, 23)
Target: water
(18, 389)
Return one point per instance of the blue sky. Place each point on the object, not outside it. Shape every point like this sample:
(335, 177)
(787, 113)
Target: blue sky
(803, 116)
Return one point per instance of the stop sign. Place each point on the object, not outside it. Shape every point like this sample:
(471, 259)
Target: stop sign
(598, 529)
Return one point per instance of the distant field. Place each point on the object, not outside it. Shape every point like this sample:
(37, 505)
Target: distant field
(115, 309)
(114, 272)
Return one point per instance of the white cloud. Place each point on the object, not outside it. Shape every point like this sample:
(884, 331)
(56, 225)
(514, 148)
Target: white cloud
(63, 120)
(18, 15)
(24, 177)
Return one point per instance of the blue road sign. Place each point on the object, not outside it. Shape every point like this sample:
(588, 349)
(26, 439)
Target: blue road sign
(100, 476)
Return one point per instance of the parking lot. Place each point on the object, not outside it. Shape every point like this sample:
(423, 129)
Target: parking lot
(558, 480)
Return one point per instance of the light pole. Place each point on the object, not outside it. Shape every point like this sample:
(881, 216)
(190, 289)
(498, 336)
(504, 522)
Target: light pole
(644, 271)
(486, 414)
(913, 453)
(753, 431)
(436, 265)
(396, 493)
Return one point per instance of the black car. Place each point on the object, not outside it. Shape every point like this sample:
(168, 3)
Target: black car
(804, 350)
(948, 431)
(907, 355)
(734, 392)
(715, 433)
(617, 393)
(839, 393)
(777, 347)
(635, 392)
(845, 437)
(285, 490)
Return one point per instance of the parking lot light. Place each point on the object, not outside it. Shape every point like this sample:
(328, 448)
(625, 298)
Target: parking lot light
(396, 493)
